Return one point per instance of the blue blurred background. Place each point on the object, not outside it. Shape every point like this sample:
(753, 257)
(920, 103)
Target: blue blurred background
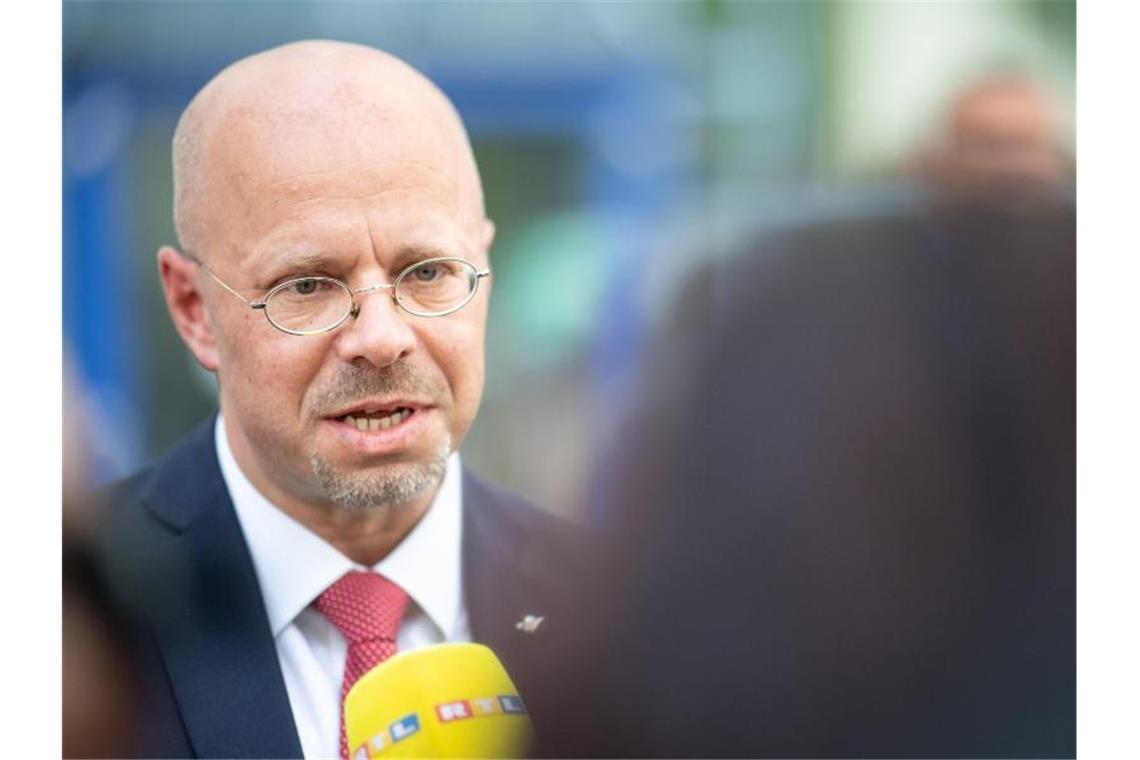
(620, 145)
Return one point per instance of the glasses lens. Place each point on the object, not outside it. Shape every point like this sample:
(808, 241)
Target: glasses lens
(308, 304)
(436, 286)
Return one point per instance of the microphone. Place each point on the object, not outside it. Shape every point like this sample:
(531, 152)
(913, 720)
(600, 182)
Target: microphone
(449, 700)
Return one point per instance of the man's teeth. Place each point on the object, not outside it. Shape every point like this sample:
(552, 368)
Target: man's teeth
(365, 423)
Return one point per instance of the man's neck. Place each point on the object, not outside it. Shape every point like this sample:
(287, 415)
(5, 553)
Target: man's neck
(364, 536)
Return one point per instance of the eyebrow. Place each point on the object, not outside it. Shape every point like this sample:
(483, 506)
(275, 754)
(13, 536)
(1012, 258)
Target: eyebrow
(409, 254)
(298, 264)
(309, 260)
(304, 260)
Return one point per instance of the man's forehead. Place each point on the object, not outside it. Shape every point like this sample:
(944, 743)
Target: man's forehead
(330, 121)
(289, 158)
(301, 126)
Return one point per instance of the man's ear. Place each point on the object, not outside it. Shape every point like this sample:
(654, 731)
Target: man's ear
(179, 278)
(488, 236)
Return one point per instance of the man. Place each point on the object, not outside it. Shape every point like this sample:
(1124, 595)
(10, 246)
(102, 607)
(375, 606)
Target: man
(1000, 148)
(333, 271)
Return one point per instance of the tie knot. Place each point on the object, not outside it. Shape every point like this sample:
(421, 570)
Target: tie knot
(364, 606)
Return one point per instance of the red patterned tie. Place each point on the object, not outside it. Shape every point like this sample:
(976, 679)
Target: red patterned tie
(367, 609)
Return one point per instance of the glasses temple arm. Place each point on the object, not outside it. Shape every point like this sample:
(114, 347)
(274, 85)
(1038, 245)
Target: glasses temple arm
(246, 301)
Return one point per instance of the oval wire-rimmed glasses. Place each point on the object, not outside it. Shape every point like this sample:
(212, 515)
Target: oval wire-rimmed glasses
(447, 282)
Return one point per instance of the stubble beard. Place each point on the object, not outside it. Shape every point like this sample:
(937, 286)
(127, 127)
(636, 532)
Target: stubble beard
(391, 486)
(387, 485)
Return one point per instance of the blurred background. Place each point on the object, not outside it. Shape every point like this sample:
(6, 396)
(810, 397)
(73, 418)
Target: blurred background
(623, 147)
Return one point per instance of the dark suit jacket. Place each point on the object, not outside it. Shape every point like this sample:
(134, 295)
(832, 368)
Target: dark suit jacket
(176, 558)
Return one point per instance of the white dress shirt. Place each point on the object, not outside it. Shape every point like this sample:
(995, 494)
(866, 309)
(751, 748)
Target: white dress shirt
(294, 565)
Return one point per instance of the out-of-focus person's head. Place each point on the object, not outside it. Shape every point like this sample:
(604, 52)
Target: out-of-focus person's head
(864, 546)
(76, 452)
(1000, 146)
(100, 691)
(331, 161)
(99, 699)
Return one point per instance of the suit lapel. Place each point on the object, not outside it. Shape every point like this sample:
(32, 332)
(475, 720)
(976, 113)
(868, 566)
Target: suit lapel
(514, 566)
(213, 632)
(497, 586)
(518, 561)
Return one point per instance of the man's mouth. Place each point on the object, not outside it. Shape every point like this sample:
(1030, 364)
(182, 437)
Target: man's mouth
(366, 420)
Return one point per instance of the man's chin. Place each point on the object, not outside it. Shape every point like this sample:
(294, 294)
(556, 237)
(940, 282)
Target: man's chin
(381, 487)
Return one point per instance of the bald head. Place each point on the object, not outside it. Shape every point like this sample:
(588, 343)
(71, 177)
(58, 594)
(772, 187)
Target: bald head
(1010, 108)
(1001, 144)
(308, 107)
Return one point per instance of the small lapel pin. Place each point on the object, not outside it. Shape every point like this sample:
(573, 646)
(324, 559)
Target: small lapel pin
(529, 623)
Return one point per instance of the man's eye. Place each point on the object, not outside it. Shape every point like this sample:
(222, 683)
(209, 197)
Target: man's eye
(305, 287)
(427, 272)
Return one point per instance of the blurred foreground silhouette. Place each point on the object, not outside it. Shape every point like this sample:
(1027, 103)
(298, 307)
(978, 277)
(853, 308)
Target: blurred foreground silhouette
(847, 528)
(99, 692)
(845, 524)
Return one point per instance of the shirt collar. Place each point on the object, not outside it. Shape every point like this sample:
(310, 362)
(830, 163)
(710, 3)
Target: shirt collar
(294, 565)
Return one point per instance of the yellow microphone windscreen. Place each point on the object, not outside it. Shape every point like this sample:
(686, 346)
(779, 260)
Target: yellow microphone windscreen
(450, 700)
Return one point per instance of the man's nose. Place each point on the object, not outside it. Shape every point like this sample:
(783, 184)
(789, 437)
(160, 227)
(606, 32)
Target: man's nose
(378, 332)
